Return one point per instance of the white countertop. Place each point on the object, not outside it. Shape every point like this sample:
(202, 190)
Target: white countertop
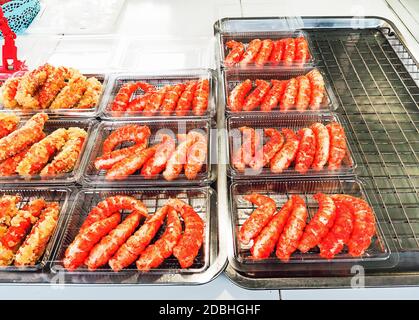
(165, 22)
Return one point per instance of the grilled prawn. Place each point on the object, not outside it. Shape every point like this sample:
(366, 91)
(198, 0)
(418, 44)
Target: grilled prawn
(235, 54)
(322, 146)
(287, 154)
(277, 52)
(289, 51)
(269, 150)
(302, 100)
(178, 158)
(157, 162)
(290, 95)
(255, 98)
(200, 100)
(184, 104)
(238, 94)
(122, 98)
(317, 88)
(108, 160)
(338, 148)
(302, 54)
(264, 52)
(171, 99)
(274, 96)
(306, 150)
(132, 132)
(196, 156)
(251, 52)
(155, 101)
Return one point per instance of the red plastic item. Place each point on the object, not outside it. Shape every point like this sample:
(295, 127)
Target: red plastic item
(11, 64)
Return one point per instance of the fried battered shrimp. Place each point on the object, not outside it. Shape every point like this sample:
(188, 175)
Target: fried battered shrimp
(91, 96)
(8, 93)
(28, 86)
(40, 153)
(71, 94)
(53, 85)
(8, 123)
(8, 208)
(66, 159)
(35, 243)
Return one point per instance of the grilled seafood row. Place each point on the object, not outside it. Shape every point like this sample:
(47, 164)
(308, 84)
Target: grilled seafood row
(313, 147)
(179, 99)
(26, 230)
(104, 240)
(49, 87)
(305, 92)
(28, 151)
(259, 52)
(162, 158)
(340, 220)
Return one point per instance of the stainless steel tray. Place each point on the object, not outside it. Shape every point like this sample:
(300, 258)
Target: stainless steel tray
(232, 77)
(65, 113)
(64, 178)
(92, 176)
(294, 122)
(375, 79)
(158, 80)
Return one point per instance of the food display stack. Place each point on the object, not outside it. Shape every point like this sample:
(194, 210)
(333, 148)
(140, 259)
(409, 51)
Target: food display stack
(296, 204)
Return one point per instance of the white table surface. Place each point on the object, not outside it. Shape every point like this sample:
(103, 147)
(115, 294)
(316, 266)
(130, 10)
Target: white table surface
(165, 20)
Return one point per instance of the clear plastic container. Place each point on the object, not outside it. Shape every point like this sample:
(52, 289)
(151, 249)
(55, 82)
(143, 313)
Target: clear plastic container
(64, 178)
(294, 122)
(232, 77)
(92, 176)
(64, 113)
(203, 200)
(246, 37)
(280, 191)
(62, 195)
(159, 81)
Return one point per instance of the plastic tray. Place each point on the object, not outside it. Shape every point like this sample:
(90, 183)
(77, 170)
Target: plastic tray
(201, 199)
(294, 122)
(159, 81)
(64, 113)
(281, 191)
(246, 37)
(65, 178)
(92, 176)
(58, 194)
(232, 77)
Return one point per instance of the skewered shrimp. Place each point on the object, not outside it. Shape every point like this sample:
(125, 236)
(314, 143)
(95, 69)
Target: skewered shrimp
(108, 160)
(155, 254)
(22, 222)
(259, 218)
(29, 84)
(177, 160)
(269, 150)
(289, 96)
(113, 204)
(171, 98)
(23, 137)
(8, 123)
(238, 94)
(264, 52)
(71, 94)
(339, 234)
(287, 154)
(302, 54)
(200, 100)
(322, 146)
(274, 96)
(8, 208)
(196, 156)
(53, 85)
(277, 52)
(8, 93)
(77, 252)
(157, 162)
(364, 223)
(155, 101)
(122, 169)
(136, 244)
(293, 230)
(91, 96)
(184, 104)
(187, 248)
(302, 100)
(66, 159)
(40, 153)
(36, 242)
(106, 248)
(235, 54)
(338, 148)
(289, 51)
(131, 132)
(306, 150)
(256, 96)
(320, 224)
(120, 103)
(317, 89)
(251, 52)
(266, 241)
